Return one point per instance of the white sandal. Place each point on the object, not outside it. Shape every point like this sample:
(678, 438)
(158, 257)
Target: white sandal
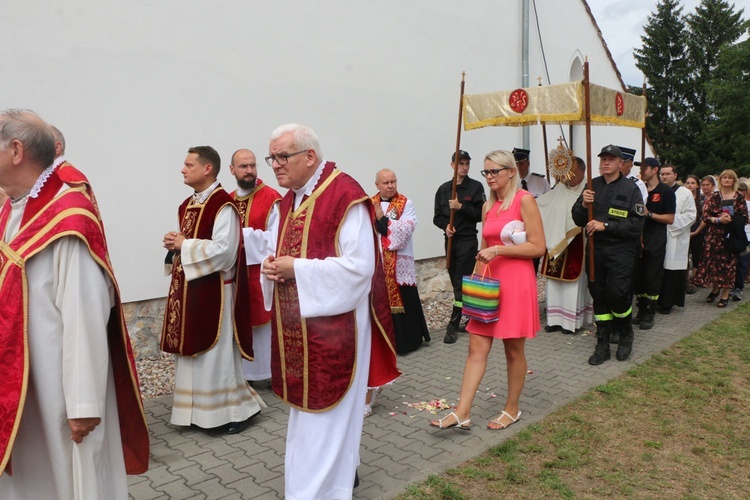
(496, 421)
(463, 425)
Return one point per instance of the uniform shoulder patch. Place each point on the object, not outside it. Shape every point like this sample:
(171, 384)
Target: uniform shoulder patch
(640, 209)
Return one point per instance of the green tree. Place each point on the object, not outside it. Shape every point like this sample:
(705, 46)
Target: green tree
(714, 25)
(728, 93)
(663, 61)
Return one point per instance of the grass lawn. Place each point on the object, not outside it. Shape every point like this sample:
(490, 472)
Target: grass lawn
(676, 426)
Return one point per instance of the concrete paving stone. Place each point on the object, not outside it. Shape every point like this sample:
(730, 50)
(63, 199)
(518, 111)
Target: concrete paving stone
(194, 474)
(227, 474)
(259, 473)
(178, 490)
(159, 475)
(268, 495)
(213, 489)
(276, 483)
(191, 449)
(144, 491)
(240, 459)
(249, 488)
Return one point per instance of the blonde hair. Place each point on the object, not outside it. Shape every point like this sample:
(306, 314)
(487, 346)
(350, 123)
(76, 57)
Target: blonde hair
(731, 173)
(504, 159)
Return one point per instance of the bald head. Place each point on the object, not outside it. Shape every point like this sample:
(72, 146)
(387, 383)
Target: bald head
(385, 181)
(25, 128)
(244, 168)
(28, 147)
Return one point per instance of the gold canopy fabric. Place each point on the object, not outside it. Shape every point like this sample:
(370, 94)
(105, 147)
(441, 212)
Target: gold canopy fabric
(561, 103)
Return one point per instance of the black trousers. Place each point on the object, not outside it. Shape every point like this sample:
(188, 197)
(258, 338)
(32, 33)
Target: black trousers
(649, 273)
(612, 289)
(462, 260)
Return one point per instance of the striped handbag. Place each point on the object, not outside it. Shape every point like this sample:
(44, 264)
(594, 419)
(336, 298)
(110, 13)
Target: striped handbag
(481, 296)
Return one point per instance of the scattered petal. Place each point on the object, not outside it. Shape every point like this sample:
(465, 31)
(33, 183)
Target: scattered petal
(530, 372)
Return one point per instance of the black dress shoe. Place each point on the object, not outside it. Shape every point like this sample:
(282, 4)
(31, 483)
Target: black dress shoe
(356, 479)
(237, 427)
(553, 328)
(566, 332)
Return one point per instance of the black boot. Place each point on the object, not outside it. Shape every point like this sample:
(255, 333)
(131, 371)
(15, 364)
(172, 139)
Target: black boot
(625, 347)
(639, 314)
(614, 334)
(647, 319)
(451, 332)
(601, 352)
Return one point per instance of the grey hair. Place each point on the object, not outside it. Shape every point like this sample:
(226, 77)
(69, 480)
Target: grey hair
(505, 159)
(26, 127)
(59, 137)
(304, 137)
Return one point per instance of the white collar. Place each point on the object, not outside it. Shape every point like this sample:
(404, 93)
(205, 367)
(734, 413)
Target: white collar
(307, 189)
(40, 181)
(200, 198)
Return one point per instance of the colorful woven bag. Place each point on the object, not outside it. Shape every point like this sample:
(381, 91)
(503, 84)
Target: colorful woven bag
(481, 296)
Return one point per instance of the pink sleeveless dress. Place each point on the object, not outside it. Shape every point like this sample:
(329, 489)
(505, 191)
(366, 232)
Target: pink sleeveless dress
(519, 310)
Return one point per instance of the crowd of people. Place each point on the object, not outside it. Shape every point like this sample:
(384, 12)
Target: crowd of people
(316, 290)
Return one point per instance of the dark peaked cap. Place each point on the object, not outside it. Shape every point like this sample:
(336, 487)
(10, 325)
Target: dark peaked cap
(521, 154)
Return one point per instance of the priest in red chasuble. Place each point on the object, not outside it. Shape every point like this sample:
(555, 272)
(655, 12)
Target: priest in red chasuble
(202, 326)
(72, 418)
(258, 205)
(569, 303)
(332, 328)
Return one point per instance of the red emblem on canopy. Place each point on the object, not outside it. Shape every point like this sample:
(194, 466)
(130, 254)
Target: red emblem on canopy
(619, 104)
(518, 100)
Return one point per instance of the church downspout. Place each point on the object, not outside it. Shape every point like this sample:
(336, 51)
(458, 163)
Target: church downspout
(525, 61)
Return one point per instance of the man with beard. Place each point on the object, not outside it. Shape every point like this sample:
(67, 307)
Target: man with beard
(259, 209)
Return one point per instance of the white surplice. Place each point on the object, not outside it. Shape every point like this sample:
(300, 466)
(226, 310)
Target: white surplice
(210, 389)
(322, 449)
(258, 245)
(70, 376)
(400, 235)
(678, 233)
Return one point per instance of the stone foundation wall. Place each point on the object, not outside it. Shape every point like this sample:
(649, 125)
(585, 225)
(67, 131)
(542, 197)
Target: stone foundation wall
(144, 318)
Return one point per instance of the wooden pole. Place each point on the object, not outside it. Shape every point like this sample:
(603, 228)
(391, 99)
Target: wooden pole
(455, 167)
(589, 185)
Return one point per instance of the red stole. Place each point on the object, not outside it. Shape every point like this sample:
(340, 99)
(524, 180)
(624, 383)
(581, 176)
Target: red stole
(313, 360)
(254, 209)
(396, 206)
(568, 265)
(192, 318)
(46, 219)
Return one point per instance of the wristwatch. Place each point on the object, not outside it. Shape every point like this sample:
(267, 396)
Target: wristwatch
(606, 225)
(650, 215)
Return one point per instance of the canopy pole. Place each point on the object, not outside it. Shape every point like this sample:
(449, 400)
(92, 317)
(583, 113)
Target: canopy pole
(589, 184)
(455, 168)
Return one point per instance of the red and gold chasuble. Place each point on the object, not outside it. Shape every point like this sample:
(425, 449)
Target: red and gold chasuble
(568, 265)
(313, 360)
(395, 207)
(255, 208)
(46, 219)
(194, 310)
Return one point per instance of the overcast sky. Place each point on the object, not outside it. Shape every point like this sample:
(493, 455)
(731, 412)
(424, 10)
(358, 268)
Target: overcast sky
(622, 21)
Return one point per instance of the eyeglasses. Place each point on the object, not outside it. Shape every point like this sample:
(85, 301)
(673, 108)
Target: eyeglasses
(493, 172)
(283, 158)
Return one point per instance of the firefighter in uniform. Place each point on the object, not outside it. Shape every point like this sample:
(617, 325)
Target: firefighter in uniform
(616, 229)
(468, 207)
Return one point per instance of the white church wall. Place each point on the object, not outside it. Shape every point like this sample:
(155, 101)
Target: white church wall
(133, 84)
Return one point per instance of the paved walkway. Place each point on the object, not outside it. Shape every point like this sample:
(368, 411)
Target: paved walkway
(398, 447)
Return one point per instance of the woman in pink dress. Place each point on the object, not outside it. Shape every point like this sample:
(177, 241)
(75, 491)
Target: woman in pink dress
(511, 263)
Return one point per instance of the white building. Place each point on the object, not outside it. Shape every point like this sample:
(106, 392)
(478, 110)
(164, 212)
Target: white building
(133, 84)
